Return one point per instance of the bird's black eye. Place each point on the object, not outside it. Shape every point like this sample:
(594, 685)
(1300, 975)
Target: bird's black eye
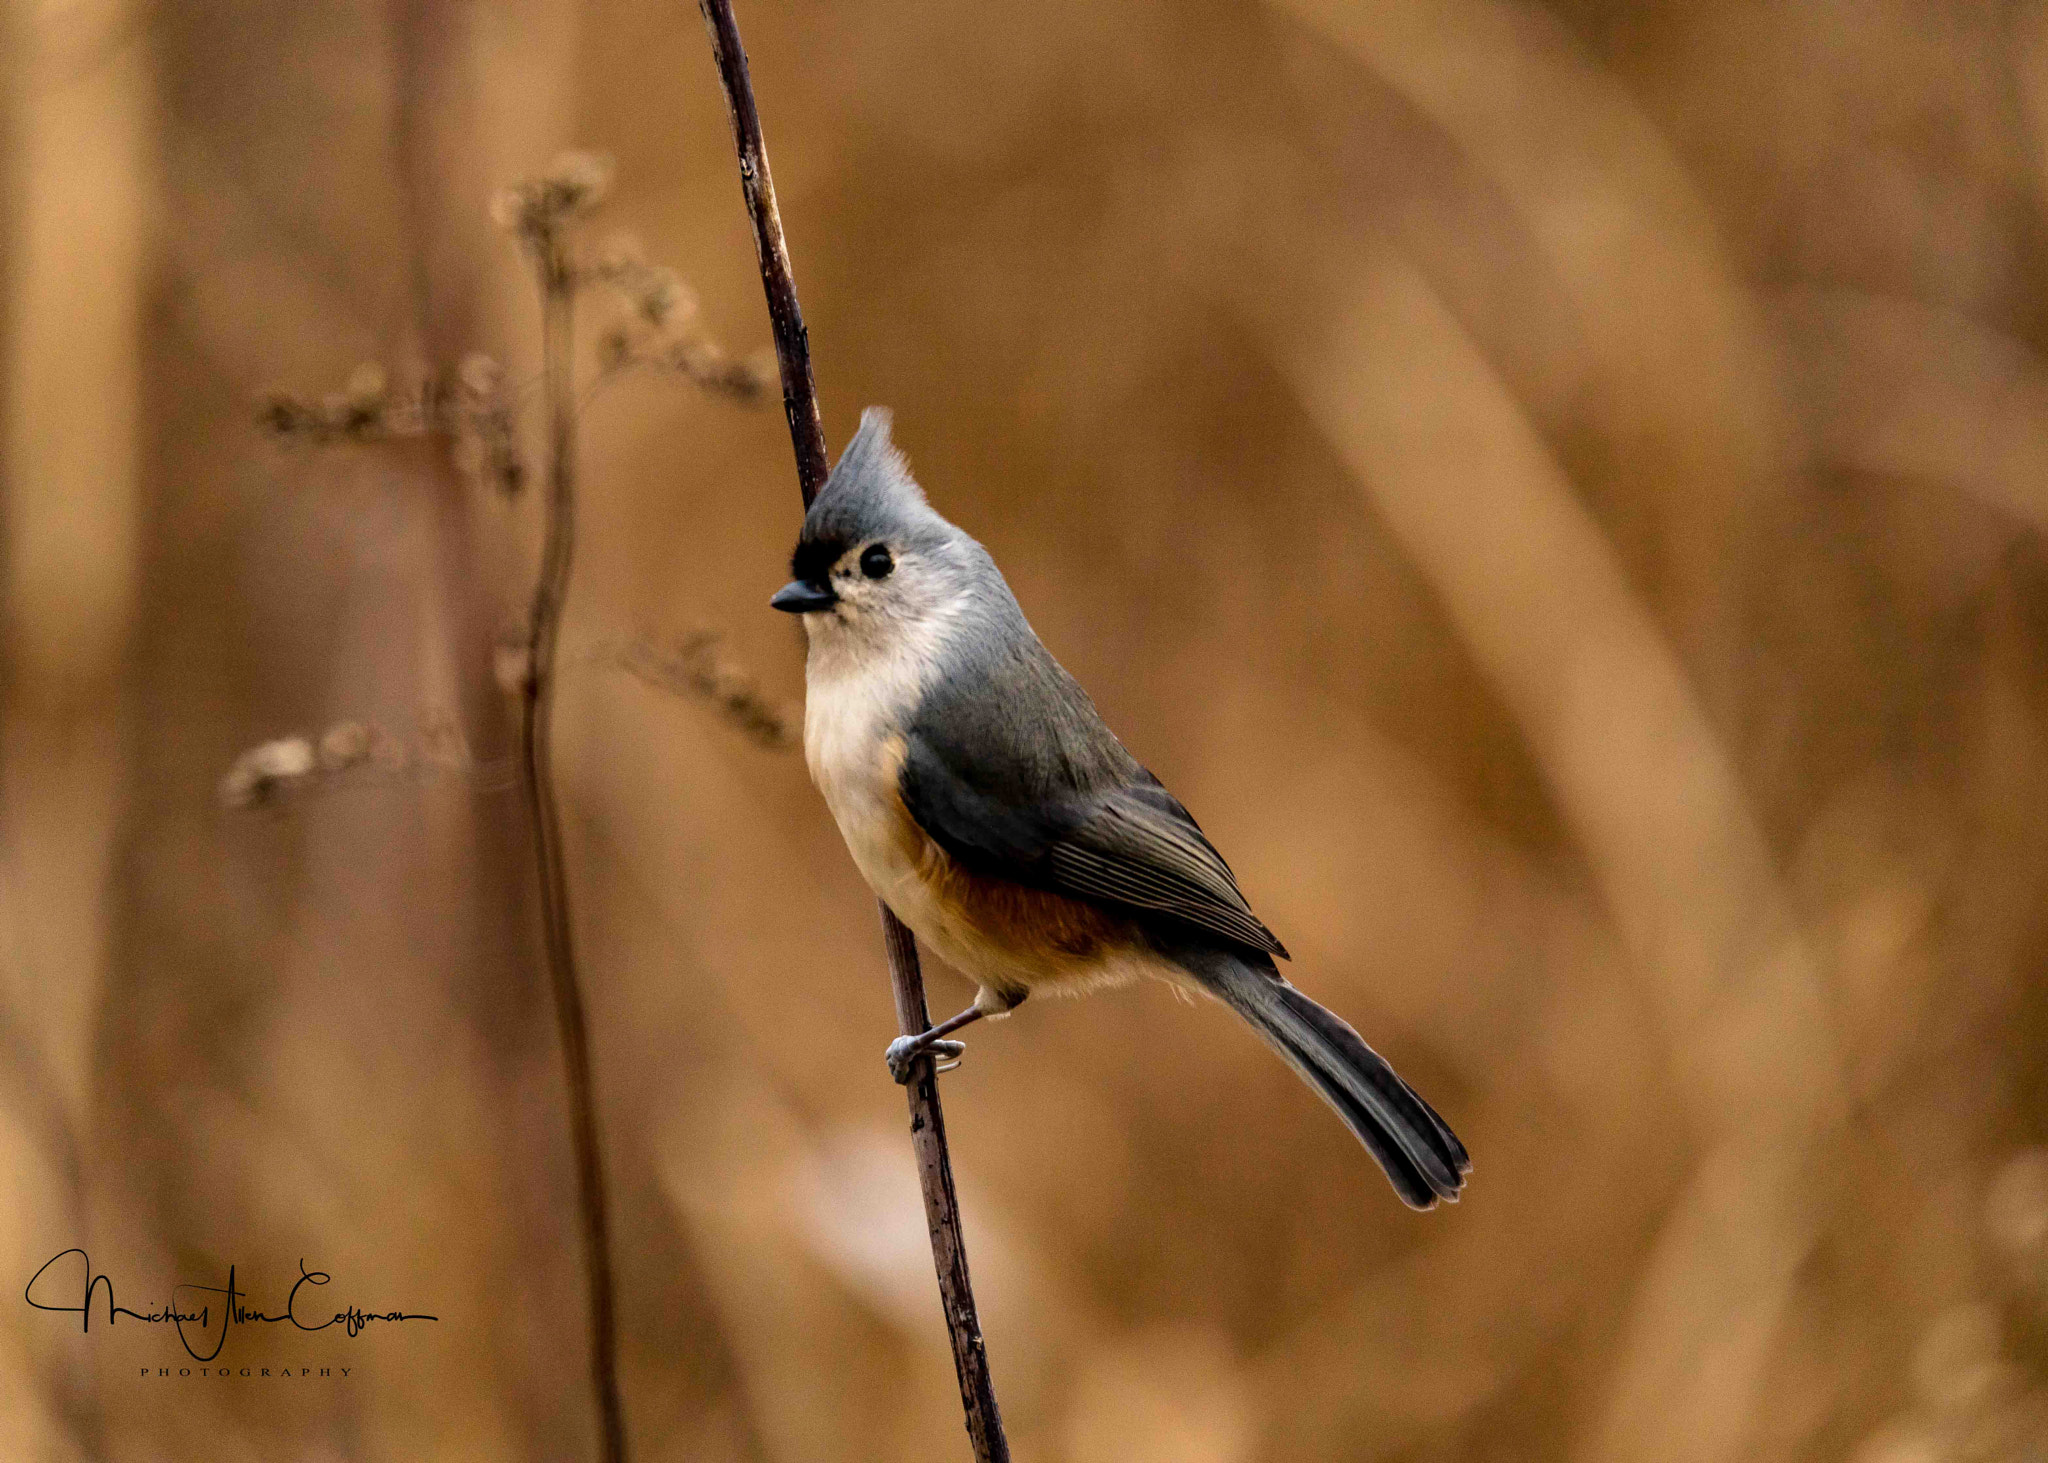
(875, 561)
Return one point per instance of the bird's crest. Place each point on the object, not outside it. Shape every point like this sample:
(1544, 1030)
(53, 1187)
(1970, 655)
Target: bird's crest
(870, 495)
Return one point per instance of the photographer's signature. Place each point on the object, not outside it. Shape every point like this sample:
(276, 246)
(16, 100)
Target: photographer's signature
(225, 1310)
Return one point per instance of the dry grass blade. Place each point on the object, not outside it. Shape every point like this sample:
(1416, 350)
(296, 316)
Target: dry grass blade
(1528, 579)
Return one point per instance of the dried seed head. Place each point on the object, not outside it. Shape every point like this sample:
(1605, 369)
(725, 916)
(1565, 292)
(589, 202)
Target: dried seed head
(265, 770)
(660, 310)
(367, 384)
(615, 348)
(343, 745)
(480, 375)
(509, 208)
(527, 212)
(662, 299)
(578, 182)
(761, 373)
(572, 186)
(731, 685)
(282, 414)
(707, 365)
(366, 407)
(441, 740)
(486, 439)
(698, 359)
(286, 757)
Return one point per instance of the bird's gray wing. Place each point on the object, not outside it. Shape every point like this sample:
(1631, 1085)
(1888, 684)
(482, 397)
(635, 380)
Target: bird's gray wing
(1127, 844)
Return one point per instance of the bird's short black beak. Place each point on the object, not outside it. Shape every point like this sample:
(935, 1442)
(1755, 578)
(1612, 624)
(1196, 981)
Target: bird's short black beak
(800, 598)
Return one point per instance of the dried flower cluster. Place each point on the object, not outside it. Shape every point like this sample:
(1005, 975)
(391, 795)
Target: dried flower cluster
(695, 667)
(659, 325)
(486, 426)
(295, 764)
(474, 409)
(367, 409)
(535, 211)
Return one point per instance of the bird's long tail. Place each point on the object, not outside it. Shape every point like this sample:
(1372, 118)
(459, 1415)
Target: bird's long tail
(1421, 1155)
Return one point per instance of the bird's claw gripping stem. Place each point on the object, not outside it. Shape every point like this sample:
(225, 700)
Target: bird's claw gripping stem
(905, 1050)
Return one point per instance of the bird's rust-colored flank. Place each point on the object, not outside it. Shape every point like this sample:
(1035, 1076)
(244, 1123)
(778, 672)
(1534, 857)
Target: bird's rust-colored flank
(1012, 939)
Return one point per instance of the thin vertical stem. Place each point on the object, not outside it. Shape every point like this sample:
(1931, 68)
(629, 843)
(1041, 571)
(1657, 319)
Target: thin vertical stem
(941, 1207)
(807, 433)
(792, 340)
(536, 762)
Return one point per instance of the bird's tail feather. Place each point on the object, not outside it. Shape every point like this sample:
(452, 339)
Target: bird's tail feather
(1421, 1155)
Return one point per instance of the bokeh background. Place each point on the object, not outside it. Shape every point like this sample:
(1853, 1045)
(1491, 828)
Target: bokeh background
(1559, 490)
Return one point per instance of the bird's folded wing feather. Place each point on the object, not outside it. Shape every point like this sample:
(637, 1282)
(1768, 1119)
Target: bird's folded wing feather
(1130, 845)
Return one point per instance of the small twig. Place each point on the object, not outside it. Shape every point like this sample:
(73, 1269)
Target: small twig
(695, 668)
(807, 432)
(558, 294)
(355, 754)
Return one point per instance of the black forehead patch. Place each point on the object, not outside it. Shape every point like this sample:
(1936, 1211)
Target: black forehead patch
(814, 557)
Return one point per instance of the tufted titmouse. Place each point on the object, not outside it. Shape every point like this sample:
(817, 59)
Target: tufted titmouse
(986, 804)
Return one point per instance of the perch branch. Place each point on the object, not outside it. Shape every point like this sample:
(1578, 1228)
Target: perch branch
(537, 783)
(807, 432)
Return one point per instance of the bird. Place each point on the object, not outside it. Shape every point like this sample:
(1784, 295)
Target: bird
(989, 807)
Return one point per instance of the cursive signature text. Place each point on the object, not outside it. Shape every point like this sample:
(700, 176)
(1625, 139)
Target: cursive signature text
(190, 1306)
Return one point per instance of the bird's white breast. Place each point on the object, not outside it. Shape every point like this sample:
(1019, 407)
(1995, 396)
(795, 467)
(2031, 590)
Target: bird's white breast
(858, 700)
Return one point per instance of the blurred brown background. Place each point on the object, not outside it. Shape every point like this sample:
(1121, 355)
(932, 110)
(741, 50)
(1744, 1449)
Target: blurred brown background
(1558, 489)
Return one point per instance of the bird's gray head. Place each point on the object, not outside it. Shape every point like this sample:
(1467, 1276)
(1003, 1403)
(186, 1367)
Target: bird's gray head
(875, 564)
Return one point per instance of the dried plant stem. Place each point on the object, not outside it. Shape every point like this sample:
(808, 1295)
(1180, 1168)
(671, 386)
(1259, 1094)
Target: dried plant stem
(536, 760)
(941, 1208)
(792, 341)
(807, 433)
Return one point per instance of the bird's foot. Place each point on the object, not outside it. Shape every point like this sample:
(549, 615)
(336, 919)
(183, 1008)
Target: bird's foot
(905, 1050)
